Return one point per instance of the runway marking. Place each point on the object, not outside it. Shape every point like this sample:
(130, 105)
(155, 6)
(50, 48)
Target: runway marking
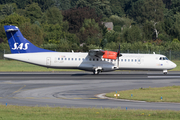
(19, 89)
(52, 98)
(163, 76)
(16, 91)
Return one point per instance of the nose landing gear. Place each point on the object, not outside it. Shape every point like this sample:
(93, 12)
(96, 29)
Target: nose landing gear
(165, 72)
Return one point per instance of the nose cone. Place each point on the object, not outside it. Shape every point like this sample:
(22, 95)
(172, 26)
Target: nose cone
(173, 65)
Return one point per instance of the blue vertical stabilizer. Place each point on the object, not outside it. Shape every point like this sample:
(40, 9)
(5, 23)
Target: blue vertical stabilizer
(19, 44)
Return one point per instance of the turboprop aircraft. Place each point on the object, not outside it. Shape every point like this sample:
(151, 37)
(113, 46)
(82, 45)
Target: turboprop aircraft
(96, 60)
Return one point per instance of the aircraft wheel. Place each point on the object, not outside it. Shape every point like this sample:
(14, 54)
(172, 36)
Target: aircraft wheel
(165, 73)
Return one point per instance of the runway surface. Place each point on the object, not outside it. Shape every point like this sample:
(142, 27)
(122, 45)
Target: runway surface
(80, 89)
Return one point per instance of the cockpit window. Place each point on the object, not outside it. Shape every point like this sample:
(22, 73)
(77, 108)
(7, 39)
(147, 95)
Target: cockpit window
(163, 58)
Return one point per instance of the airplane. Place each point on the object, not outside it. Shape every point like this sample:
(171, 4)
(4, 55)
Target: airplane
(95, 60)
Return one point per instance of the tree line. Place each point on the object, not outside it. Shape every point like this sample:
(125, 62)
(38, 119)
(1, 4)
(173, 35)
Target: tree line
(65, 25)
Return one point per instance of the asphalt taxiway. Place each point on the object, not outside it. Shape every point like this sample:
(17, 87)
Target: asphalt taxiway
(81, 89)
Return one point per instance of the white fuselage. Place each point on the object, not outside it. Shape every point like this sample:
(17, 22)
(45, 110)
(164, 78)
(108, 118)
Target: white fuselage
(74, 60)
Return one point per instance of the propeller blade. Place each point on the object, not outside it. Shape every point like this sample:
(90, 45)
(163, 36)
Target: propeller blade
(118, 55)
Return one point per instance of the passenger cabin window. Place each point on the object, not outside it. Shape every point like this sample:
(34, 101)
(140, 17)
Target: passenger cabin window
(68, 58)
(131, 60)
(79, 59)
(75, 58)
(121, 60)
(61, 58)
(72, 59)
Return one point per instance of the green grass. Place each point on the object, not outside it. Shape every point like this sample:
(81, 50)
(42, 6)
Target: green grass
(168, 94)
(178, 65)
(12, 65)
(57, 113)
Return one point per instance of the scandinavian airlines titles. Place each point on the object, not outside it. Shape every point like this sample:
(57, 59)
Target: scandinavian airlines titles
(20, 47)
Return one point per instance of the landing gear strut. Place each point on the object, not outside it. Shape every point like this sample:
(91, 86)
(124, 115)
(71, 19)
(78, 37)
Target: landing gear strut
(97, 71)
(165, 72)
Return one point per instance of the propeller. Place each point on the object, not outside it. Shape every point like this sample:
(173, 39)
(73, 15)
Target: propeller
(118, 55)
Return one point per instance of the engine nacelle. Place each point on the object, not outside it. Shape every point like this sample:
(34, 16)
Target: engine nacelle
(110, 55)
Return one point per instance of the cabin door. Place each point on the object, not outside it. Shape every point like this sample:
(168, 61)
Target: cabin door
(48, 61)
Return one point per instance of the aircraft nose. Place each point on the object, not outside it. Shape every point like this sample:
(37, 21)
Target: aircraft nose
(173, 65)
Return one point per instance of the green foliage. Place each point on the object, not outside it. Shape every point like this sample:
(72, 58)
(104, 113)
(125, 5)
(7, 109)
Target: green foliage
(102, 7)
(103, 43)
(14, 19)
(135, 21)
(53, 32)
(116, 7)
(90, 32)
(91, 46)
(175, 40)
(64, 46)
(33, 11)
(117, 28)
(82, 3)
(50, 46)
(132, 34)
(113, 36)
(53, 16)
(164, 37)
(143, 10)
(7, 9)
(62, 4)
(111, 46)
(4, 46)
(121, 21)
(33, 33)
(76, 17)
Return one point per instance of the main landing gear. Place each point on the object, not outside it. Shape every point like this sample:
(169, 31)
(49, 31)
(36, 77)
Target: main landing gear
(97, 70)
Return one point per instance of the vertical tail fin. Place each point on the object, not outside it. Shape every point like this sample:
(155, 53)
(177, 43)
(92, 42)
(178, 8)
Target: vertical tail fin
(18, 44)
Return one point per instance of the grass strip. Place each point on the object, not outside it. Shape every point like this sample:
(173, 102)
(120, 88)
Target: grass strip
(162, 94)
(11, 112)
